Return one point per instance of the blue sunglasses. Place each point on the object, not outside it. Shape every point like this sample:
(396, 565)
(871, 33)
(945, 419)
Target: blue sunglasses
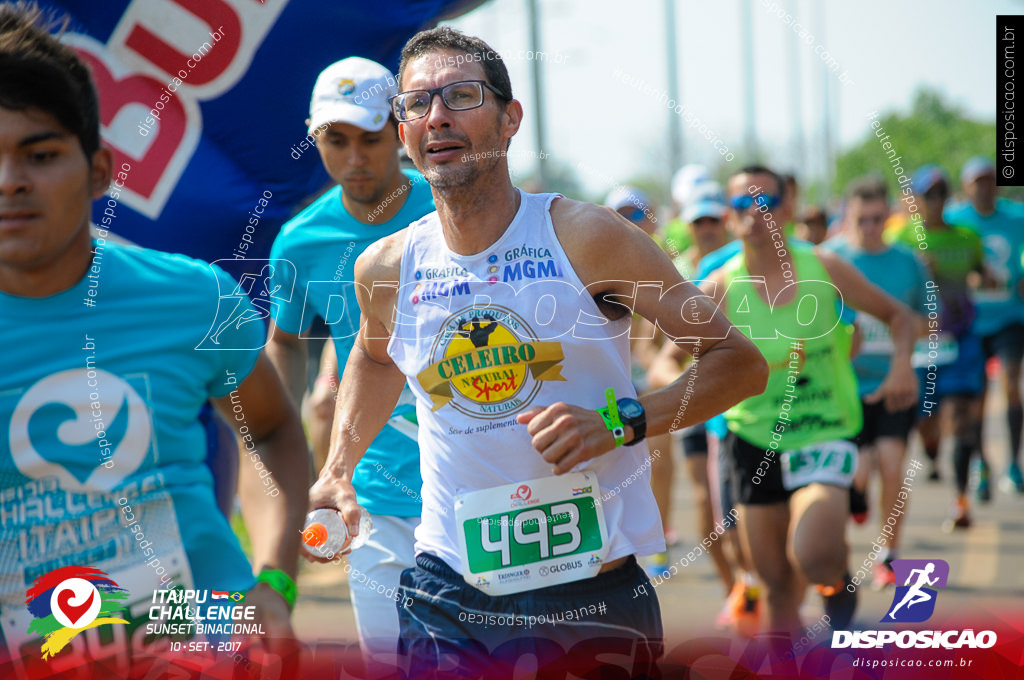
(744, 201)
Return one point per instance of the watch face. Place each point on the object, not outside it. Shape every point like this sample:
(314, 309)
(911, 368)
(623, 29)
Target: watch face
(630, 408)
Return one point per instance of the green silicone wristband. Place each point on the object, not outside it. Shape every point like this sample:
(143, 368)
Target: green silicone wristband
(610, 415)
(282, 583)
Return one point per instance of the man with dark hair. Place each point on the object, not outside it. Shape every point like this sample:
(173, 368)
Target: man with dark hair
(103, 384)
(812, 226)
(532, 515)
(789, 448)
(358, 144)
(883, 440)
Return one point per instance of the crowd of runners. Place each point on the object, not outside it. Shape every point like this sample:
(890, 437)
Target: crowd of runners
(502, 368)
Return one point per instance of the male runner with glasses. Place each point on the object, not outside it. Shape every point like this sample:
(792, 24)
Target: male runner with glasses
(789, 447)
(883, 440)
(533, 510)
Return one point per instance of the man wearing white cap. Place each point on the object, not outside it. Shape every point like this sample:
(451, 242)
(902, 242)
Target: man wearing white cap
(358, 143)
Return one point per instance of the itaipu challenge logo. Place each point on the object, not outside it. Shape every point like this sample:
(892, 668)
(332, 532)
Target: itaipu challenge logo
(68, 600)
(487, 363)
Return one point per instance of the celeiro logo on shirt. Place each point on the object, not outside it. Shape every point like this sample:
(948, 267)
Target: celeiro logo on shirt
(914, 602)
(487, 363)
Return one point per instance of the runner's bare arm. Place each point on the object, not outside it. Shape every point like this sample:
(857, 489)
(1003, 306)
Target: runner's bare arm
(899, 389)
(273, 448)
(289, 354)
(370, 383)
(611, 256)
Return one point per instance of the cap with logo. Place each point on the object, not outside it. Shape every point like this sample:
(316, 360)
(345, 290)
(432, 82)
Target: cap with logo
(354, 90)
(706, 199)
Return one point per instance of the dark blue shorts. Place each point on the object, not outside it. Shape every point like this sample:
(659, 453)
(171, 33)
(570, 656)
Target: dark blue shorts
(964, 377)
(451, 629)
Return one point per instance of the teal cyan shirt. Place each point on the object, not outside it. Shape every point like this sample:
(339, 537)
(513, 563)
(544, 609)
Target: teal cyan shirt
(99, 402)
(322, 243)
(1002, 234)
(900, 273)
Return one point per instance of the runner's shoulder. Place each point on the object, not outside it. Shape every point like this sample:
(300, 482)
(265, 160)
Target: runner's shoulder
(154, 268)
(588, 233)
(382, 259)
(323, 208)
(594, 223)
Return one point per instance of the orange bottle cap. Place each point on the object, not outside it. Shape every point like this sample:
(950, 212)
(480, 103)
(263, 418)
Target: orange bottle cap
(315, 535)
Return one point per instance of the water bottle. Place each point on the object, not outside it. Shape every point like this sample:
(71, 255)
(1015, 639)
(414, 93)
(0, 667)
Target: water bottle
(326, 533)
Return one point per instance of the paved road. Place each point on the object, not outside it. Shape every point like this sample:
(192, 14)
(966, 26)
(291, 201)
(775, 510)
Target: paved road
(985, 562)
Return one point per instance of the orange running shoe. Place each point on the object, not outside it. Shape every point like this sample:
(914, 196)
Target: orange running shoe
(742, 610)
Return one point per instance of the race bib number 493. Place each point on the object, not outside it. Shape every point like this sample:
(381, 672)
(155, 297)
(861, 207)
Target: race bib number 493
(533, 534)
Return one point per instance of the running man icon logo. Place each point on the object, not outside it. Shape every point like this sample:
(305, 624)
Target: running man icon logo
(914, 601)
(250, 300)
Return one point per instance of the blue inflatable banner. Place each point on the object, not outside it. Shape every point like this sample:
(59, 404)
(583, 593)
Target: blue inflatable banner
(204, 103)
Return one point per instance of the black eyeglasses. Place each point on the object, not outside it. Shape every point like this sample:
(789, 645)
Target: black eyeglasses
(460, 96)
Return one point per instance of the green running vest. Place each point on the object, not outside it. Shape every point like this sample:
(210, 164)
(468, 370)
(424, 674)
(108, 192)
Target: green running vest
(811, 395)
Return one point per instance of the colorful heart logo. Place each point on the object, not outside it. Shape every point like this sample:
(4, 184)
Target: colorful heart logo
(74, 612)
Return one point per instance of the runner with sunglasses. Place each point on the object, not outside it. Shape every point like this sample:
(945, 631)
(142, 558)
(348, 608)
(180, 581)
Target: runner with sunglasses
(789, 447)
(952, 367)
(533, 508)
(883, 441)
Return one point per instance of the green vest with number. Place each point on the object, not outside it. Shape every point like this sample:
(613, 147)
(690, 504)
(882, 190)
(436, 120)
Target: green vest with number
(811, 395)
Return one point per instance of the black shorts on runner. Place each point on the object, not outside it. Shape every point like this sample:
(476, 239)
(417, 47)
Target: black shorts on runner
(881, 422)
(694, 440)
(1006, 343)
(580, 625)
(744, 459)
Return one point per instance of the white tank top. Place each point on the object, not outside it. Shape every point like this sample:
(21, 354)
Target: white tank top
(549, 342)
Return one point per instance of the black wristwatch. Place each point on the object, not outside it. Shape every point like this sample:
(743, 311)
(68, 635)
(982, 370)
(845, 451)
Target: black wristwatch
(631, 412)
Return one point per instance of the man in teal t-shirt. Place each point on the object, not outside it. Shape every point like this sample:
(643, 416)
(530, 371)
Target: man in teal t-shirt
(107, 362)
(883, 439)
(1000, 322)
(358, 142)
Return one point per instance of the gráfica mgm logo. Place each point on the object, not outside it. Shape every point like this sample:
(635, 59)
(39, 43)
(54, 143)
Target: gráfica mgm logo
(487, 363)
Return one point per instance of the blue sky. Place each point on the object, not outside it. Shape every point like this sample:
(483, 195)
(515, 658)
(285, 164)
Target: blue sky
(888, 49)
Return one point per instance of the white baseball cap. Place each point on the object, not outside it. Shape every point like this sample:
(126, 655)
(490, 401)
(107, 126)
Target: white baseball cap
(705, 199)
(355, 91)
(622, 196)
(685, 179)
